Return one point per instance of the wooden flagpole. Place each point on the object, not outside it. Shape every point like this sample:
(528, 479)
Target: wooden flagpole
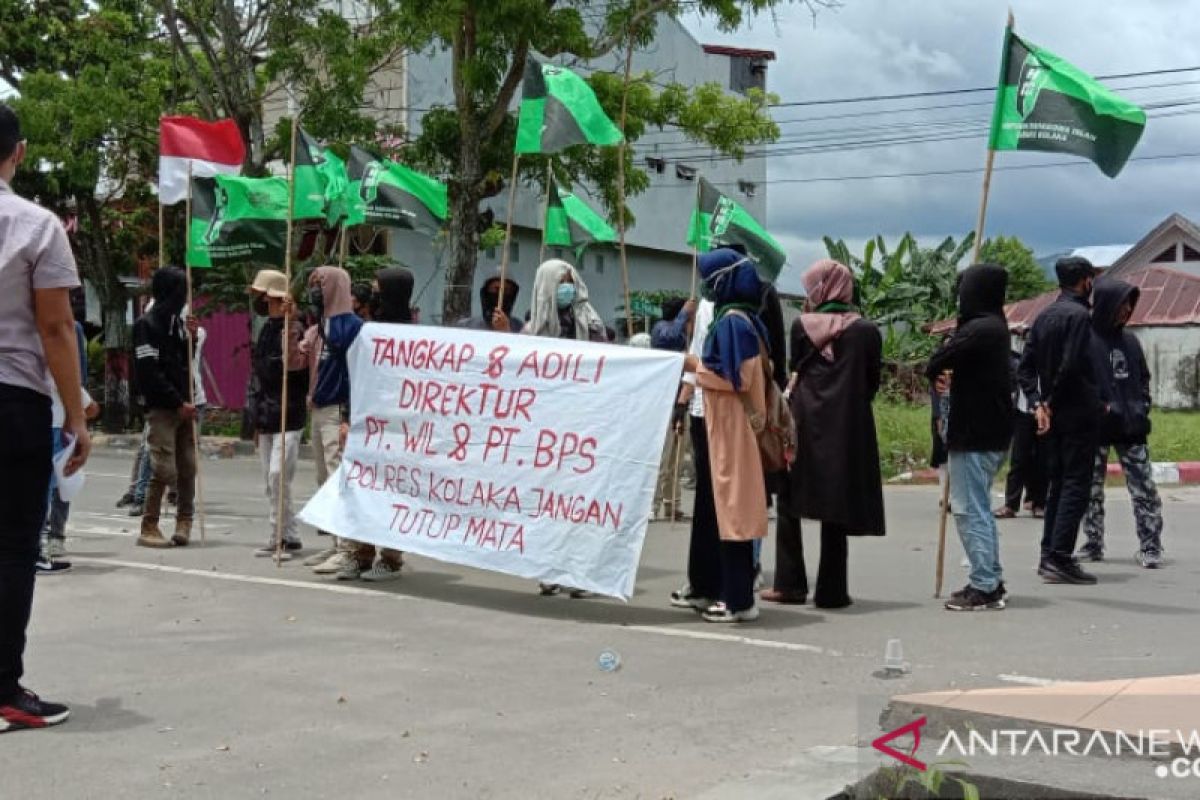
(287, 320)
(980, 221)
(187, 218)
(162, 233)
(696, 244)
(621, 189)
(512, 201)
(546, 210)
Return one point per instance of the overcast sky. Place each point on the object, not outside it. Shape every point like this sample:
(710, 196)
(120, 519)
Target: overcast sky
(871, 47)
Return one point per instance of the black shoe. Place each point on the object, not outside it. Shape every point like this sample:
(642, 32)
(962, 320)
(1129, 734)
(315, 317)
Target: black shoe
(1065, 570)
(173, 498)
(1002, 590)
(136, 509)
(1093, 554)
(26, 710)
(126, 500)
(46, 566)
(971, 599)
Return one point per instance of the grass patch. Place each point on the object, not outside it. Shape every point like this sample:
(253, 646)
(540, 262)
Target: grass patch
(904, 437)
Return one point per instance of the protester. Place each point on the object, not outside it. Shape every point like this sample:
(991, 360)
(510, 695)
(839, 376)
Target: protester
(200, 338)
(560, 305)
(733, 372)
(390, 298)
(1057, 376)
(278, 452)
(976, 360)
(360, 300)
(326, 345)
(1124, 383)
(493, 316)
(770, 311)
(160, 340)
(671, 333)
(1026, 472)
(837, 358)
(37, 350)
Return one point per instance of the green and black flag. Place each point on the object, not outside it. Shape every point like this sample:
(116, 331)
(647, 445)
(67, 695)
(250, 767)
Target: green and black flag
(558, 110)
(236, 220)
(1044, 103)
(385, 193)
(320, 181)
(718, 221)
(570, 222)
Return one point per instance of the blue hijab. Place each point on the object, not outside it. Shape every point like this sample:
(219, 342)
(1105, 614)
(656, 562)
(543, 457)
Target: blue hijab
(733, 284)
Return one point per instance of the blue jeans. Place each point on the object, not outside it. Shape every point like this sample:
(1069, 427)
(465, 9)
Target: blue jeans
(971, 477)
(57, 509)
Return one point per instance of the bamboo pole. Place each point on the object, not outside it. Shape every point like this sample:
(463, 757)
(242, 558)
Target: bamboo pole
(621, 189)
(162, 231)
(287, 320)
(512, 201)
(546, 210)
(696, 244)
(187, 217)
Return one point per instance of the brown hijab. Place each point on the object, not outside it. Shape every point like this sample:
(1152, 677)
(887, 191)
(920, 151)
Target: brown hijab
(828, 281)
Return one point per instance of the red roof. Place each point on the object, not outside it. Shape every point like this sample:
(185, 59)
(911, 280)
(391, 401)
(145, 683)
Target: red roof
(1168, 297)
(738, 52)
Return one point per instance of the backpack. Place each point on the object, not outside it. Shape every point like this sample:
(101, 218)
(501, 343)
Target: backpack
(776, 430)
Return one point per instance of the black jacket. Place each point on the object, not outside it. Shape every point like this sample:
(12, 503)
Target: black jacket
(1120, 367)
(160, 344)
(981, 393)
(1056, 365)
(267, 395)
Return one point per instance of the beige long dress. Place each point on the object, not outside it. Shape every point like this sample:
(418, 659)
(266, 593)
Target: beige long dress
(739, 488)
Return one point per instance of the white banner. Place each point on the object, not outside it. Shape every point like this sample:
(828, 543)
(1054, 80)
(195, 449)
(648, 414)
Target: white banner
(531, 456)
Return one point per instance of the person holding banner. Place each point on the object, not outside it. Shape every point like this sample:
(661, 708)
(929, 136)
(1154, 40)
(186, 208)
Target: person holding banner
(326, 345)
(278, 453)
(733, 375)
(493, 316)
(561, 308)
(837, 357)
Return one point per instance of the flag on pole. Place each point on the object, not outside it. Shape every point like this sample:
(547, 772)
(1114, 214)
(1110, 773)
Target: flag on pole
(382, 192)
(212, 148)
(558, 110)
(718, 221)
(238, 220)
(317, 180)
(570, 222)
(1043, 103)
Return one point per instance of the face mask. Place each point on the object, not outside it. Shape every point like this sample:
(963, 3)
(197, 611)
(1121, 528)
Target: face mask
(260, 305)
(316, 298)
(565, 294)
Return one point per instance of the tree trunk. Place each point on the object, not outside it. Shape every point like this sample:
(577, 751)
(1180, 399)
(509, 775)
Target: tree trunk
(466, 192)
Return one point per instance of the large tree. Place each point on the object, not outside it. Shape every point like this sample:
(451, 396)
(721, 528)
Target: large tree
(1025, 275)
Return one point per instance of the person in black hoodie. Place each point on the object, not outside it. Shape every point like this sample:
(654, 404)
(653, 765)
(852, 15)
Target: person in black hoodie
(976, 357)
(278, 452)
(1057, 378)
(160, 342)
(492, 316)
(1124, 381)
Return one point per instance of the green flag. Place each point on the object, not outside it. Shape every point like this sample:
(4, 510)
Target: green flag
(236, 220)
(1044, 103)
(382, 192)
(337, 188)
(719, 220)
(558, 110)
(311, 172)
(570, 222)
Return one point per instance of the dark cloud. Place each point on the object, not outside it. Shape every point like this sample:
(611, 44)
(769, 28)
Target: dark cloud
(871, 47)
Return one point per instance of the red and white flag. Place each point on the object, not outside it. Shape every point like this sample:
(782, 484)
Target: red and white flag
(213, 148)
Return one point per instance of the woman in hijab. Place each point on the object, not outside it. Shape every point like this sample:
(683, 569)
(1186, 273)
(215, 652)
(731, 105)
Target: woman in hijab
(733, 377)
(837, 357)
(560, 305)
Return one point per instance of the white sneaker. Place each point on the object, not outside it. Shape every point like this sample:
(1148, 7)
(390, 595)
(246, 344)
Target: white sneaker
(380, 573)
(718, 612)
(335, 564)
(58, 548)
(317, 559)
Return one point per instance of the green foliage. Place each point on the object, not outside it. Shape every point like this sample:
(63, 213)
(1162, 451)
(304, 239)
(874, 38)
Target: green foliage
(932, 780)
(1176, 435)
(1025, 275)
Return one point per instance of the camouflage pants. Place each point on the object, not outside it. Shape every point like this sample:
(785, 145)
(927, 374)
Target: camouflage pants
(1147, 507)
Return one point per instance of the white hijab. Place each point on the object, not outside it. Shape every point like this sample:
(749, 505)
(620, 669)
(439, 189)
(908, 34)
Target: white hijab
(543, 319)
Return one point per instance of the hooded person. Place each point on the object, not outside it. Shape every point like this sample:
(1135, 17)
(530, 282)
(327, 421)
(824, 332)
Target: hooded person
(326, 345)
(164, 375)
(560, 307)
(732, 373)
(1123, 378)
(836, 361)
(489, 305)
(977, 359)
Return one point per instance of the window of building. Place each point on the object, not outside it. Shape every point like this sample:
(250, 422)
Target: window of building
(599, 262)
(1190, 254)
(1165, 257)
(491, 253)
(514, 252)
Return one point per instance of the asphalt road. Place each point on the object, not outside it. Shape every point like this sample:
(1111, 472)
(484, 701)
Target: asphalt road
(207, 673)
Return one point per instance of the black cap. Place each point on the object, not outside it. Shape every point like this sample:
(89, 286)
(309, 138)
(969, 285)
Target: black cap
(10, 131)
(1072, 269)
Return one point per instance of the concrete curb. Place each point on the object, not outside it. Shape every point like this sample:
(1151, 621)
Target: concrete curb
(211, 447)
(1166, 473)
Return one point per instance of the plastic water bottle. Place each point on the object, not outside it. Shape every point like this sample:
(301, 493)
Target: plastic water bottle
(893, 658)
(609, 661)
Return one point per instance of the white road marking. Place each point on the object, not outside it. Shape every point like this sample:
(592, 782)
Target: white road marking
(1026, 680)
(713, 636)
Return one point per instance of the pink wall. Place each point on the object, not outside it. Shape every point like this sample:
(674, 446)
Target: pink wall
(227, 354)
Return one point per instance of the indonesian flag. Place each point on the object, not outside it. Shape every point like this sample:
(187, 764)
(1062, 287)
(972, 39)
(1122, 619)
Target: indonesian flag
(212, 148)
